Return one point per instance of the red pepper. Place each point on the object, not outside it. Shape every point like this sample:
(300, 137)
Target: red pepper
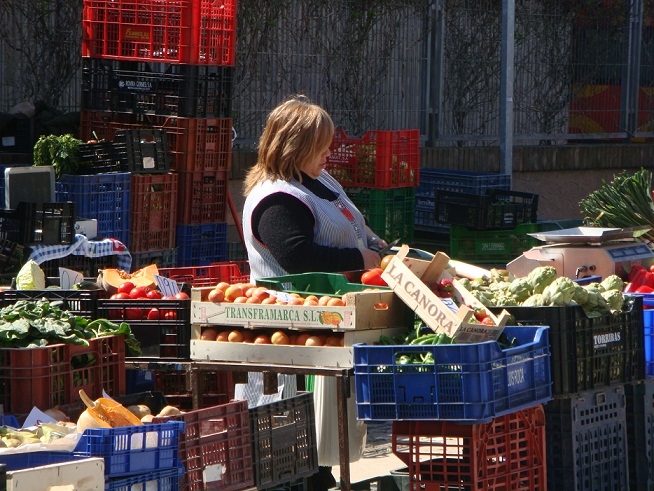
(635, 269)
(639, 277)
(649, 280)
(629, 288)
(644, 289)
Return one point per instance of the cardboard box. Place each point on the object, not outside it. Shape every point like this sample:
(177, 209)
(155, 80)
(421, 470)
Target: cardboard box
(322, 356)
(363, 310)
(410, 278)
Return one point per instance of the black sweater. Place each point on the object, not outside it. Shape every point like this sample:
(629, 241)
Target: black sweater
(285, 225)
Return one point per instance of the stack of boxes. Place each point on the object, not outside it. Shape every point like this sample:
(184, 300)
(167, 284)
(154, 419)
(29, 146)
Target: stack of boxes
(379, 172)
(166, 67)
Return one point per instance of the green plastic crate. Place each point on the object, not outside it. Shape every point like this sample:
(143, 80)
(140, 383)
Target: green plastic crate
(390, 212)
(334, 284)
(494, 246)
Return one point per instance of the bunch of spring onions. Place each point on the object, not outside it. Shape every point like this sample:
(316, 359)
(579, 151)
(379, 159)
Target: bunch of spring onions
(624, 202)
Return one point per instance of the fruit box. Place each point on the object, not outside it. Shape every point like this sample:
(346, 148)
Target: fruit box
(270, 354)
(410, 277)
(362, 310)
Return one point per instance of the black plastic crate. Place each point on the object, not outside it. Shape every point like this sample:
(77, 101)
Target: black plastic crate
(166, 334)
(284, 445)
(193, 91)
(146, 149)
(102, 157)
(79, 302)
(39, 223)
(497, 209)
(640, 434)
(588, 353)
(586, 441)
(12, 256)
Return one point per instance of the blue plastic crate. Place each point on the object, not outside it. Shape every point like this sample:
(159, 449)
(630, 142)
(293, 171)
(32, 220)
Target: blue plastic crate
(105, 197)
(201, 244)
(470, 383)
(165, 480)
(127, 450)
(434, 180)
(648, 327)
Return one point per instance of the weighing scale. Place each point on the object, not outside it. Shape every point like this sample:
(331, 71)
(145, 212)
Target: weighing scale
(582, 252)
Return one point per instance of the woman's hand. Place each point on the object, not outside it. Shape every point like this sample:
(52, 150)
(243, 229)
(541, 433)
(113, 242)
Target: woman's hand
(371, 259)
(376, 244)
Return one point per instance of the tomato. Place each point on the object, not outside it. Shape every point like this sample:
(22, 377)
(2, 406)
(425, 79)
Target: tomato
(480, 314)
(138, 292)
(153, 314)
(132, 314)
(373, 277)
(181, 296)
(154, 295)
(126, 287)
(119, 296)
(170, 315)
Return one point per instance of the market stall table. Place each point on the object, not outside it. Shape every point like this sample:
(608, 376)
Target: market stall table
(342, 390)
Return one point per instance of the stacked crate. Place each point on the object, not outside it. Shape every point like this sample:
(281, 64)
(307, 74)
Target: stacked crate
(168, 66)
(380, 172)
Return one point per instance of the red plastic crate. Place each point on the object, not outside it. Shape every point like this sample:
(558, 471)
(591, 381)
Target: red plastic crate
(507, 453)
(198, 32)
(53, 375)
(379, 159)
(211, 275)
(153, 211)
(216, 448)
(204, 195)
(195, 144)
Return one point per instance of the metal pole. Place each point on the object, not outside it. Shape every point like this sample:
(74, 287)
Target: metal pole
(631, 71)
(506, 87)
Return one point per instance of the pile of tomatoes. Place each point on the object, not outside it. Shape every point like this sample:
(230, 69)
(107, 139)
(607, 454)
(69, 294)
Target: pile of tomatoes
(129, 291)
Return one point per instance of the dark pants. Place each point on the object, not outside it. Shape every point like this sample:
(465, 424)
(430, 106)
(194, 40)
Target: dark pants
(322, 480)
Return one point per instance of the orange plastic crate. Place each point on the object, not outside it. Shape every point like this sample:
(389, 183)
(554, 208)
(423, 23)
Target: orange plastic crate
(153, 211)
(195, 144)
(204, 195)
(53, 375)
(379, 159)
(197, 32)
(211, 275)
(507, 453)
(217, 437)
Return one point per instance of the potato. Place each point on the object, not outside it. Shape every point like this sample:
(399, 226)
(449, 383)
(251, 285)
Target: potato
(139, 410)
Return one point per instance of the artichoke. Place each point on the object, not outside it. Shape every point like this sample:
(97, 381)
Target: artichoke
(505, 297)
(559, 292)
(540, 277)
(485, 299)
(536, 300)
(521, 289)
(615, 299)
(612, 282)
(580, 294)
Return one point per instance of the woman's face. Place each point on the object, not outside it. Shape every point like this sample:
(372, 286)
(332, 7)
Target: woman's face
(313, 168)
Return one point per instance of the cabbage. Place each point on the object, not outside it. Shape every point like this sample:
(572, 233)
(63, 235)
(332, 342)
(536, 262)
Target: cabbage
(30, 277)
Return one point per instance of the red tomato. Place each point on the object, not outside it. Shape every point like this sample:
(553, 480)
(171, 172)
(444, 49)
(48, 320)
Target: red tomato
(119, 296)
(154, 295)
(181, 296)
(170, 315)
(153, 314)
(125, 287)
(480, 314)
(138, 292)
(133, 314)
(373, 277)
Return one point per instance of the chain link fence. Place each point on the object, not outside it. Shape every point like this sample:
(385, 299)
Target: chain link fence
(583, 69)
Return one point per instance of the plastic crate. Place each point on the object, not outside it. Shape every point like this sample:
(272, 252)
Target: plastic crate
(640, 434)
(147, 150)
(79, 302)
(53, 375)
(333, 284)
(87, 266)
(589, 353)
(216, 448)
(379, 159)
(648, 326)
(389, 212)
(195, 144)
(12, 256)
(164, 258)
(434, 180)
(202, 244)
(492, 246)
(191, 91)
(39, 223)
(284, 440)
(105, 197)
(587, 441)
(168, 336)
(209, 275)
(189, 32)
(505, 453)
(163, 480)
(495, 210)
(18, 135)
(204, 195)
(468, 383)
(102, 157)
(153, 211)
